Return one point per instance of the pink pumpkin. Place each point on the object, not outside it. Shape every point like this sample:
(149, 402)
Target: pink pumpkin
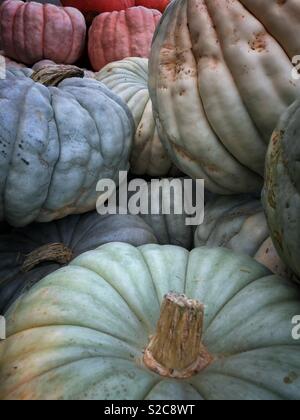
(31, 32)
(117, 35)
(9, 63)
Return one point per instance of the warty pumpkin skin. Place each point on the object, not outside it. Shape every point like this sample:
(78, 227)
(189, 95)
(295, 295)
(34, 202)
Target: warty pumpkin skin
(220, 77)
(31, 32)
(80, 333)
(117, 35)
(239, 223)
(128, 78)
(281, 195)
(21, 267)
(57, 143)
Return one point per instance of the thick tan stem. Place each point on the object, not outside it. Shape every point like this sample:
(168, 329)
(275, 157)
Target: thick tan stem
(53, 252)
(176, 350)
(54, 75)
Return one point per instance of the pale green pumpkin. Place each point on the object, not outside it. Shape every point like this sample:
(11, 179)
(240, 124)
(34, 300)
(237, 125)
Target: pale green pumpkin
(80, 333)
(281, 194)
(239, 223)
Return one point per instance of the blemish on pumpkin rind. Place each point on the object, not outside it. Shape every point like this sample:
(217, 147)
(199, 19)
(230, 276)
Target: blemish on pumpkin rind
(278, 238)
(272, 167)
(259, 43)
(290, 378)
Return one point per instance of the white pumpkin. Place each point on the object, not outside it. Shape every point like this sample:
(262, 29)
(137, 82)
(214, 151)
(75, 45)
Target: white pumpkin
(220, 78)
(128, 78)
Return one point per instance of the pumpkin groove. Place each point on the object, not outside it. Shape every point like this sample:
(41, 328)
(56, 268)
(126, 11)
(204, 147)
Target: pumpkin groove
(92, 320)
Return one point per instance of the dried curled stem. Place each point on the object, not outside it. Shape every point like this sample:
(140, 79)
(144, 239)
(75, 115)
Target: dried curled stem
(53, 252)
(54, 75)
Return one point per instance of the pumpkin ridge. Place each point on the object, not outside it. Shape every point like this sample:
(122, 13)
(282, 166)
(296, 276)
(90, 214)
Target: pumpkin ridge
(44, 32)
(245, 381)
(57, 286)
(229, 301)
(17, 139)
(52, 370)
(131, 346)
(152, 280)
(69, 53)
(220, 38)
(132, 310)
(12, 26)
(158, 382)
(244, 164)
(51, 97)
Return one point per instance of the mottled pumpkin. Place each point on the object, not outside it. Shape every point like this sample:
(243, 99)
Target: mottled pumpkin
(128, 78)
(57, 143)
(81, 332)
(117, 35)
(239, 223)
(220, 77)
(281, 195)
(31, 32)
(29, 254)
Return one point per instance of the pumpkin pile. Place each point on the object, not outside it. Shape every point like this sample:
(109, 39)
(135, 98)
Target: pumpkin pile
(136, 303)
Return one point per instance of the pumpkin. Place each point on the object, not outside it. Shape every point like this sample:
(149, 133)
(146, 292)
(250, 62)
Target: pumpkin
(31, 32)
(29, 254)
(8, 63)
(57, 143)
(281, 195)
(83, 331)
(99, 6)
(169, 229)
(220, 77)
(129, 80)
(160, 5)
(117, 35)
(46, 63)
(239, 223)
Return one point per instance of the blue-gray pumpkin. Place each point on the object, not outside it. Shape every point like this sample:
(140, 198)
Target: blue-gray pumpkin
(57, 142)
(29, 254)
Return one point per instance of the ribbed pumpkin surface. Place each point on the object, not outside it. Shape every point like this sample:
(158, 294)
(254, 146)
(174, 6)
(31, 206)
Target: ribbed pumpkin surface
(31, 32)
(117, 35)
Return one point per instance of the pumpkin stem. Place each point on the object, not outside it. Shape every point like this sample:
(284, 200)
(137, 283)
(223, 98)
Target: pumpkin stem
(53, 252)
(176, 351)
(54, 75)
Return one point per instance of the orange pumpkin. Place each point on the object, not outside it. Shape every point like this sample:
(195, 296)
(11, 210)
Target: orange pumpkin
(31, 32)
(99, 6)
(154, 4)
(117, 35)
